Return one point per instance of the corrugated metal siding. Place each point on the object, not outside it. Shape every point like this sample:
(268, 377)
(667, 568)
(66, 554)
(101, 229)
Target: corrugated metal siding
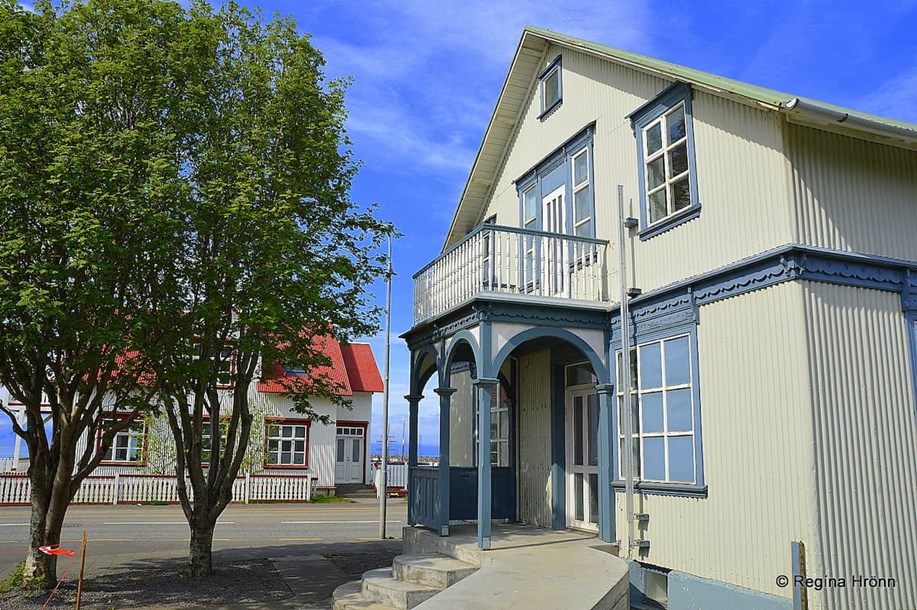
(757, 446)
(740, 161)
(865, 451)
(852, 194)
(534, 434)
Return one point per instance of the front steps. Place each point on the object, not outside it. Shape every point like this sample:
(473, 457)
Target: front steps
(410, 581)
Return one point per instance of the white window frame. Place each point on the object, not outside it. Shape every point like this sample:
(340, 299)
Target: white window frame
(135, 441)
(281, 440)
(577, 188)
(638, 391)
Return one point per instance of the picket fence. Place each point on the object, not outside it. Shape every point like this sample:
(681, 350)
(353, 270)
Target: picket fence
(396, 477)
(15, 489)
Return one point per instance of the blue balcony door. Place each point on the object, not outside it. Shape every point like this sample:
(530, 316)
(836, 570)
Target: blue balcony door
(554, 255)
(582, 413)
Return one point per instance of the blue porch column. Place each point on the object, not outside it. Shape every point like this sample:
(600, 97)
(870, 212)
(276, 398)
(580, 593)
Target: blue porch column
(445, 398)
(413, 406)
(606, 396)
(485, 388)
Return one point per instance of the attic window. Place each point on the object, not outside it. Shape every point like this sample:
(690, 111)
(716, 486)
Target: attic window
(551, 87)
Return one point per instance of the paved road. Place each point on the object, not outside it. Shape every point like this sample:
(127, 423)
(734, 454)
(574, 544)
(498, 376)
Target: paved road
(122, 534)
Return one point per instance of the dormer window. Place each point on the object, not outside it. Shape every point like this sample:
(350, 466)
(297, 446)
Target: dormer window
(551, 87)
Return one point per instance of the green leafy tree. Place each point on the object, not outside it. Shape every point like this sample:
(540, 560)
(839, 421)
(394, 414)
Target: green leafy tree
(88, 170)
(274, 254)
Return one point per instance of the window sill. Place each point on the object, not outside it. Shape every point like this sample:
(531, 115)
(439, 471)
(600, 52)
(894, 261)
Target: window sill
(688, 490)
(286, 466)
(669, 223)
(550, 109)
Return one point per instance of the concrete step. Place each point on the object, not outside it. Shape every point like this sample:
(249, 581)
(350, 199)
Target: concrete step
(349, 596)
(382, 586)
(431, 569)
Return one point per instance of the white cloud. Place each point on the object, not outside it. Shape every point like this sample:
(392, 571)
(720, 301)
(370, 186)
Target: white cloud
(896, 98)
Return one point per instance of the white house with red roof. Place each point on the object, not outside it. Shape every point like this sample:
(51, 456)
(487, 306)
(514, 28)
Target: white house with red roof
(284, 442)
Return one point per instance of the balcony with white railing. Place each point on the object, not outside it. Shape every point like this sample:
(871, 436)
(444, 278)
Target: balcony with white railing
(494, 259)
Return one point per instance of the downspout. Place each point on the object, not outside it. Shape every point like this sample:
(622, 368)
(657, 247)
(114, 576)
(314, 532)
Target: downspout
(624, 382)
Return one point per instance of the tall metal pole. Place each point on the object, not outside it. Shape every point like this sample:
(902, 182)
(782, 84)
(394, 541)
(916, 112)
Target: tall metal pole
(624, 382)
(383, 475)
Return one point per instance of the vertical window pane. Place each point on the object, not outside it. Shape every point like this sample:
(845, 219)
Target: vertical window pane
(340, 450)
(593, 498)
(678, 160)
(681, 194)
(582, 202)
(578, 430)
(551, 88)
(578, 495)
(580, 168)
(357, 447)
(655, 173)
(676, 124)
(593, 414)
(584, 230)
(681, 459)
(678, 403)
(650, 366)
(677, 362)
(654, 459)
(652, 419)
(653, 138)
(658, 208)
(635, 458)
(530, 204)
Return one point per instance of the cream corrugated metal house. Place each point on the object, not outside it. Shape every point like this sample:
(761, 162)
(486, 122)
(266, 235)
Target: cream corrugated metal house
(770, 263)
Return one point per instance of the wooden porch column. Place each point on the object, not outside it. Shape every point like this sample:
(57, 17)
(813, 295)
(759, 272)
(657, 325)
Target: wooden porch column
(606, 396)
(413, 406)
(485, 389)
(445, 400)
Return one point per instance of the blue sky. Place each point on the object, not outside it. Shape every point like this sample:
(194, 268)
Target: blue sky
(426, 76)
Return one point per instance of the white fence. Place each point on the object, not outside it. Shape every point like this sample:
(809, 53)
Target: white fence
(397, 477)
(495, 258)
(144, 488)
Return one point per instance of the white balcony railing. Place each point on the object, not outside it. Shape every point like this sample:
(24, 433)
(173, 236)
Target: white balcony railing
(499, 259)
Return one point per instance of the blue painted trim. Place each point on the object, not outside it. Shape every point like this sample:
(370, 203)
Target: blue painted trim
(598, 366)
(640, 118)
(558, 449)
(606, 398)
(461, 336)
(420, 377)
(557, 63)
(910, 318)
(562, 156)
(484, 387)
(798, 570)
(690, 592)
(445, 396)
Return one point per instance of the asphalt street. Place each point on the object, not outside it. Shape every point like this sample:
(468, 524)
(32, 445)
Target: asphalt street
(119, 535)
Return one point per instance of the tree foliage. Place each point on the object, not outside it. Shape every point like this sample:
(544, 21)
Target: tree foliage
(179, 217)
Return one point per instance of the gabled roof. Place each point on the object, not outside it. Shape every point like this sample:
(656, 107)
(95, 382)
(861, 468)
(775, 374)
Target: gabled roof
(528, 61)
(352, 367)
(361, 368)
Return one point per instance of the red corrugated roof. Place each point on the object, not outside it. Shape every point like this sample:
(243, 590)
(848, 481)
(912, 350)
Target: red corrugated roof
(361, 368)
(352, 367)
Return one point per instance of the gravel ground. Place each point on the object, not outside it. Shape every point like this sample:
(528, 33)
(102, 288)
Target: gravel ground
(355, 564)
(166, 584)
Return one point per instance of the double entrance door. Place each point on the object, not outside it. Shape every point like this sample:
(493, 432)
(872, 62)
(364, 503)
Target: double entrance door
(582, 427)
(349, 458)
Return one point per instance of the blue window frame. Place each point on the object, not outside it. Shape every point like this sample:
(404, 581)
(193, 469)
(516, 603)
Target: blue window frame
(550, 86)
(665, 413)
(569, 167)
(664, 130)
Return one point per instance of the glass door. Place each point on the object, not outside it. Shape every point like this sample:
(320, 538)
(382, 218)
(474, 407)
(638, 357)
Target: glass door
(582, 459)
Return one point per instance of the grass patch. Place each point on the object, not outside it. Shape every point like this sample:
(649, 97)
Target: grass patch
(19, 580)
(331, 500)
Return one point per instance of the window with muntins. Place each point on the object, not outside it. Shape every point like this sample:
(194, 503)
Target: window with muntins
(286, 444)
(665, 145)
(551, 87)
(127, 445)
(662, 410)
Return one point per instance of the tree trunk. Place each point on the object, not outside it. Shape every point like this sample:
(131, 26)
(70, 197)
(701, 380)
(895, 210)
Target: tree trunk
(201, 546)
(40, 569)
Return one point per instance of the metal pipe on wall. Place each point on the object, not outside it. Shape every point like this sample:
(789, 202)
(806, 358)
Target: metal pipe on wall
(624, 383)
